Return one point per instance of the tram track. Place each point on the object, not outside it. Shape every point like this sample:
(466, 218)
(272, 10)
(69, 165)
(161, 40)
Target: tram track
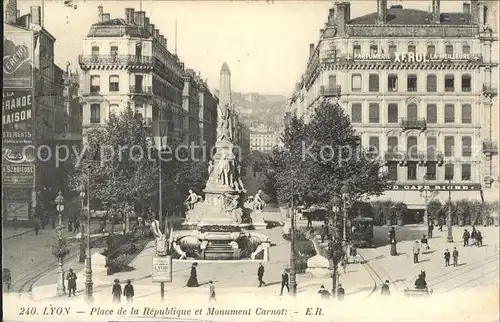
(24, 283)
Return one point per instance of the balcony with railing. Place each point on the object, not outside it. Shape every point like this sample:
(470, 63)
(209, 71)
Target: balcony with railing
(413, 156)
(328, 91)
(434, 156)
(141, 90)
(393, 156)
(407, 124)
(490, 90)
(118, 60)
(490, 147)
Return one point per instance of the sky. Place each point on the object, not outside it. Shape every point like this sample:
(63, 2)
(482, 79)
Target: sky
(265, 44)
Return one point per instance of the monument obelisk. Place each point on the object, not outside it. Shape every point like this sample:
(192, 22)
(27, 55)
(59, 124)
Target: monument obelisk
(224, 190)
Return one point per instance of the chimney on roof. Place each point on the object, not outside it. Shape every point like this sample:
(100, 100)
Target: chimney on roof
(106, 17)
(381, 12)
(100, 12)
(165, 43)
(157, 35)
(474, 11)
(18, 13)
(436, 11)
(146, 22)
(11, 12)
(331, 16)
(152, 29)
(129, 15)
(36, 15)
(343, 15)
(311, 50)
(139, 18)
(466, 7)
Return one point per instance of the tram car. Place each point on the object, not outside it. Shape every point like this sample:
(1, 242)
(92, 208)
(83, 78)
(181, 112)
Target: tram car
(361, 232)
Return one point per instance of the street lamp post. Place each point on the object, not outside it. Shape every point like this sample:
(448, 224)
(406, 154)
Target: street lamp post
(333, 245)
(59, 201)
(88, 263)
(344, 190)
(450, 232)
(293, 274)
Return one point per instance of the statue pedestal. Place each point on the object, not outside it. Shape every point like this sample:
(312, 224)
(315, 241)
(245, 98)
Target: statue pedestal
(318, 266)
(258, 220)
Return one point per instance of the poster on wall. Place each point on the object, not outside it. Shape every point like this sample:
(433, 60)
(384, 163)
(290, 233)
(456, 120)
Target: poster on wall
(18, 210)
(17, 58)
(17, 113)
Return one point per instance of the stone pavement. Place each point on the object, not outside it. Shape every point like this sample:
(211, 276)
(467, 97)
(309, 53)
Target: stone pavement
(477, 267)
(10, 232)
(227, 275)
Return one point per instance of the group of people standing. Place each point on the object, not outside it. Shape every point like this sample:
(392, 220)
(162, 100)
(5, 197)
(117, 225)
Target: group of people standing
(474, 238)
(128, 291)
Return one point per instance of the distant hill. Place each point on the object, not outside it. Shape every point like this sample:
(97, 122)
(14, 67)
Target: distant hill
(258, 109)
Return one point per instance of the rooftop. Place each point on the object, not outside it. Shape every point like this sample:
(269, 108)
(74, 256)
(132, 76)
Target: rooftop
(400, 16)
(117, 27)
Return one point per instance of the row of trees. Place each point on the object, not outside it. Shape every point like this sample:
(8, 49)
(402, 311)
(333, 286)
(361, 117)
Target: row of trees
(319, 158)
(124, 177)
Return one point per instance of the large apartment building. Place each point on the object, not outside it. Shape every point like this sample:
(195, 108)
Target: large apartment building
(419, 88)
(125, 62)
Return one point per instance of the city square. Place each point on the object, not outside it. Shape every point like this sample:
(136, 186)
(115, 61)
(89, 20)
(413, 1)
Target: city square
(167, 195)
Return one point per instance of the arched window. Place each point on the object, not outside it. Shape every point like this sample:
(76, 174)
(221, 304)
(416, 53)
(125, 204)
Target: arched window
(485, 15)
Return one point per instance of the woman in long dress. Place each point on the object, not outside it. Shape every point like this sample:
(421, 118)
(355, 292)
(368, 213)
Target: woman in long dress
(193, 279)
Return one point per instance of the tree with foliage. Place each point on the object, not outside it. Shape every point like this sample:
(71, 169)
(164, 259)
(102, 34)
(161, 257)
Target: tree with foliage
(321, 157)
(118, 161)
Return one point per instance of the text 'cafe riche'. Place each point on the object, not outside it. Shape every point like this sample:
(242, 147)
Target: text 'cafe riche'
(410, 57)
(457, 187)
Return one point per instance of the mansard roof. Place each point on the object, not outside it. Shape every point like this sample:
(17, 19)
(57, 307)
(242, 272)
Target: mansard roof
(399, 16)
(117, 27)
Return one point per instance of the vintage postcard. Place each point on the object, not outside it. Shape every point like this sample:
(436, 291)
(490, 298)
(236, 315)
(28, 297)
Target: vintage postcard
(250, 160)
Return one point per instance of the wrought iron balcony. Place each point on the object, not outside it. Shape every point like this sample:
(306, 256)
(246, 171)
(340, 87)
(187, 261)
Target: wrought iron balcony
(330, 91)
(408, 124)
(415, 157)
(118, 60)
(490, 90)
(392, 156)
(490, 147)
(434, 157)
(141, 90)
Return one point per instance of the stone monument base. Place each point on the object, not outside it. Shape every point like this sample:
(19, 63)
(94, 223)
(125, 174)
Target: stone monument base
(318, 266)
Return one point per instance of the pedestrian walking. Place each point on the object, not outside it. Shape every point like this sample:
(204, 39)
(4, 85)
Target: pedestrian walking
(441, 223)
(465, 237)
(70, 225)
(37, 224)
(323, 233)
(117, 291)
(344, 263)
(473, 236)
(211, 290)
(128, 291)
(392, 240)
(325, 295)
(82, 251)
(416, 251)
(479, 237)
(260, 275)
(447, 258)
(455, 256)
(71, 277)
(431, 229)
(309, 220)
(77, 226)
(385, 291)
(284, 282)
(340, 293)
(193, 277)
(424, 244)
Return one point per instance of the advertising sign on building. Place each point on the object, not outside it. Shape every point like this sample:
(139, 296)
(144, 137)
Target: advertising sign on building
(18, 210)
(443, 187)
(17, 114)
(162, 269)
(18, 169)
(18, 59)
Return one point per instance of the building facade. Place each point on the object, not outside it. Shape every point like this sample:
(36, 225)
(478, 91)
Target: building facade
(32, 112)
(125, 62)
(427, 105)
(264, 141)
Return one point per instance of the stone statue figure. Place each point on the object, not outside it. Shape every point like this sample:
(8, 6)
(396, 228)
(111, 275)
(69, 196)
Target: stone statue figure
(240, 180)
(161, 243)
(224, 126)
(223, 171)
(210, 167)
(259, 203)
(192, 199)
(231, 206)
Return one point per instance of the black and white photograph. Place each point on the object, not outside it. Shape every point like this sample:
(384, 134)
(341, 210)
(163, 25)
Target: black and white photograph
(250, 160)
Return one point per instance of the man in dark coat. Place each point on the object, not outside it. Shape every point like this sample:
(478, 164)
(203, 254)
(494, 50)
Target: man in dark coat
(117, 291)
(284, 282)
(447, 258)
(340, 293)
(385, 289)
(431, 228)
(128, 291)
(325, 295)
(455, 256)
(260, 275)
(71, 277)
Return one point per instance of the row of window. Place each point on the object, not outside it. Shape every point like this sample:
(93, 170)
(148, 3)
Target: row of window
(431, 49)
(411, 113)
(411, 174)
(412, 145)
(411, 83)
